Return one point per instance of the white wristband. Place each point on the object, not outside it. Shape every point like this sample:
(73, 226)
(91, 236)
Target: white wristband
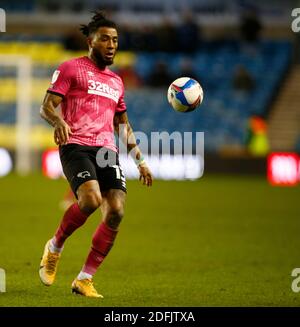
(141, 163)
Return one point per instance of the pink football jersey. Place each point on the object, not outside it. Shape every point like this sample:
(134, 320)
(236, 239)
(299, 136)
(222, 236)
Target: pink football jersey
(91, 98)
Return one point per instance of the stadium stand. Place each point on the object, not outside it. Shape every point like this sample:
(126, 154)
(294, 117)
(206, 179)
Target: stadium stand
(224, 113)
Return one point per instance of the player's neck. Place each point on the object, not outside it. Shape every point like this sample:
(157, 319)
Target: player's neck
(100, 65)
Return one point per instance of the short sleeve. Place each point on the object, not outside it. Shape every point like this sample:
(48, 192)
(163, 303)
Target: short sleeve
(62, 79)
(121, 107)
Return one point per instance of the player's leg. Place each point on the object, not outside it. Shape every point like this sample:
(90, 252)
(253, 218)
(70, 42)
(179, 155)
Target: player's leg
(68, 199)
(113, 188)
(113, 210)
(89, 199)
(82, 177)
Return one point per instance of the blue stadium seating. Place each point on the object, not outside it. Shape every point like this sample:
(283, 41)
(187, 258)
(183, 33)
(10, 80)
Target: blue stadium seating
(225, 112)
(18, 6)
(8, 113)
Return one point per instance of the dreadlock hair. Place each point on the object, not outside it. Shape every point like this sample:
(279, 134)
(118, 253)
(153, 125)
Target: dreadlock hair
(98, 20)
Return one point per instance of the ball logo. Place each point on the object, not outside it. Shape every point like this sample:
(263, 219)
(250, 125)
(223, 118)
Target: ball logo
(185, 94)
(296, 21)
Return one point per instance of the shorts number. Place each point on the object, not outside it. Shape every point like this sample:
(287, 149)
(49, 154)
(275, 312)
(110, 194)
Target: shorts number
(120, 174)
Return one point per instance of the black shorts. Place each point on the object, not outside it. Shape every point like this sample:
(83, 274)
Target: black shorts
(81, 163)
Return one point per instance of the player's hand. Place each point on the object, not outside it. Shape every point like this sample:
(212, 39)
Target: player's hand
(62, 132)
(145, 174)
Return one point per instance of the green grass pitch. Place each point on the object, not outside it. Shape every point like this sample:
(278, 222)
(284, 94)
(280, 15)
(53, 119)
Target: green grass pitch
(219, 241)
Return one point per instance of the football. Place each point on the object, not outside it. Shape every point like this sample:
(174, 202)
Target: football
(185, 94)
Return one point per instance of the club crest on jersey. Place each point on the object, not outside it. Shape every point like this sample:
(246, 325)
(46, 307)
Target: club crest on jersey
(98, 88)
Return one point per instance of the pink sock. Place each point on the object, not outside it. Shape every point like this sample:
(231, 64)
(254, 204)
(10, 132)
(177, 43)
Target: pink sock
(73, 218)
(103, 240)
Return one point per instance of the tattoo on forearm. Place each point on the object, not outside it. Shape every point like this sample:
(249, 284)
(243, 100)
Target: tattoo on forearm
(49, 116)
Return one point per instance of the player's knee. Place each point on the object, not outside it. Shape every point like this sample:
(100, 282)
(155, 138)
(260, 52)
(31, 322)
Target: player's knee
(89, 202)
(114, 216)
